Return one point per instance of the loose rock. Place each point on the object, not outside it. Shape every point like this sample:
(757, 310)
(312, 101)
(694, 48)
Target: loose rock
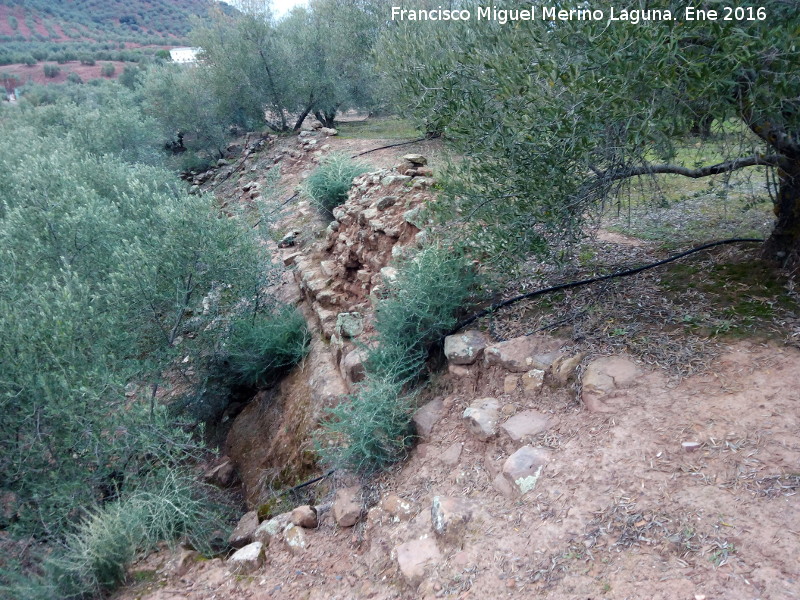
(532, 382)
(247, 560)
(350, 325)
(602, 377)
(481, 417)
(416, 159)
(525, 425)
(295, 539)
(427, 416)
(304, 516)
(523, 468)
(397, 508)
(414, 556)
(464, 348)
(245, 529)
(347, 506)
(517, 355)
(449, 518)
(271, 529)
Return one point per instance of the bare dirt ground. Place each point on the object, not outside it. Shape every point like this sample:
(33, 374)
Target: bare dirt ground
(687, 490)
(35, 73)
(621, 511)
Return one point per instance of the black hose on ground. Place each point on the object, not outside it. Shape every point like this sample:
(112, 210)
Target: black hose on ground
(307, 483)
(572, 284)
(389, 146)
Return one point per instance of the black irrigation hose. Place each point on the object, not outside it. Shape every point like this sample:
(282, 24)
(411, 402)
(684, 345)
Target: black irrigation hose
(562, 286)
(389, 146)
(572, 284)
(307, 483)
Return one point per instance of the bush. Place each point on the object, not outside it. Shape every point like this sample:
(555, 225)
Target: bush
(82, 318)
(108, 70)
(422, 303)
(95, 556)
(372, 430)
(260, 349)
(329, 183)
(51, 71)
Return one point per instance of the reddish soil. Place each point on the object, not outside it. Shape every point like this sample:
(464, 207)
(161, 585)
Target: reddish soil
(621, 511)
(19, 13)
(40, 28)
(35, 73)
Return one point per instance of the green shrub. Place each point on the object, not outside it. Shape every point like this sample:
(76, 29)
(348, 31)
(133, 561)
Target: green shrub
(372, 430)
(260, 349)
(51, 71)
(108, 70)
(102, 268)
(329, 183)
(94, 558)
(422, 303)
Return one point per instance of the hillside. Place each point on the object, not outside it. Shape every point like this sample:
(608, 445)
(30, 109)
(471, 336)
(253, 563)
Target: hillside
(628, 455)
(41, 29)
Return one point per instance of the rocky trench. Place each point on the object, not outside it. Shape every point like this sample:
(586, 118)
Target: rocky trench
(336, 275)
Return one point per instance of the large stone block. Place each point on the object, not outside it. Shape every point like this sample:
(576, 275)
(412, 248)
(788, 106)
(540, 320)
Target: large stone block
(464, 348)
(481, 418)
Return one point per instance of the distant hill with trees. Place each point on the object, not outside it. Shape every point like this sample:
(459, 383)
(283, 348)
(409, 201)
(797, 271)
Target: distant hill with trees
(37, 30)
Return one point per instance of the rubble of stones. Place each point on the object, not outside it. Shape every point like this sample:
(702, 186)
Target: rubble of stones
(243, 157)
(417, 537)
(344, 275)
(341, 277)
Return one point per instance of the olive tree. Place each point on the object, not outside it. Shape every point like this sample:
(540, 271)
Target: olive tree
(248, 67)
(552, 115)
(104, 265)
(314, 60)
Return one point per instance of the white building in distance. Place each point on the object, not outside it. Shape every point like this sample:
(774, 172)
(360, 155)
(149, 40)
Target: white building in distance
(184, 55)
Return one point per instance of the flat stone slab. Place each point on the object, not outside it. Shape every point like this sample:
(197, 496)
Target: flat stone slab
(521, 354)
(525, 425)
